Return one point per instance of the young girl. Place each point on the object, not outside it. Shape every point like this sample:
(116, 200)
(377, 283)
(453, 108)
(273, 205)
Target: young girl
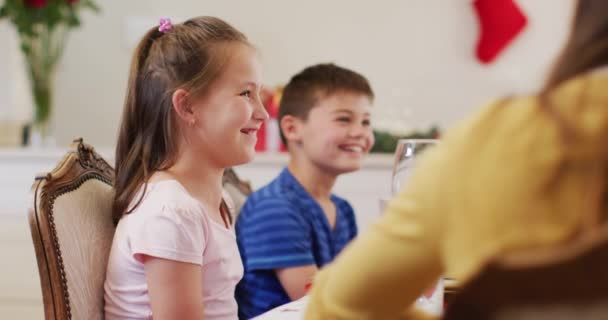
(192, 108)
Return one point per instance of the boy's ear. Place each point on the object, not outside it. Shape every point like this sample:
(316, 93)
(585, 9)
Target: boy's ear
(182, 106)
(291, 128)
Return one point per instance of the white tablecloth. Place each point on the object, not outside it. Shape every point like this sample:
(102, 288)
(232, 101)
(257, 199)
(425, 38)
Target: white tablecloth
(289, 311)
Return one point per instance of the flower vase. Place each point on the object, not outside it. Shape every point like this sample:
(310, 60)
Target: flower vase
(41, 134)
(42, 26)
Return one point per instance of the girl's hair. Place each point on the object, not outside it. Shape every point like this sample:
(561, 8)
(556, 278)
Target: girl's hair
(587, 45)
(190, 56)
(585, 50)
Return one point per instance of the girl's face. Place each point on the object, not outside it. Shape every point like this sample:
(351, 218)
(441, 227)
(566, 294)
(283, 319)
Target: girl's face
(230, 114)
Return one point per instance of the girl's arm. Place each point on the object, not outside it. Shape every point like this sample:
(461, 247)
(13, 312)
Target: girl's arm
(175, 289)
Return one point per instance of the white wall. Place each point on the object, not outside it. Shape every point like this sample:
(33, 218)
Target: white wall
(418, 54)
(5, 99)
(15, 102)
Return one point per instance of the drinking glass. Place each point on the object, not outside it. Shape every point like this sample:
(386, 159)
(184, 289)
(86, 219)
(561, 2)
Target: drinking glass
(406, 154)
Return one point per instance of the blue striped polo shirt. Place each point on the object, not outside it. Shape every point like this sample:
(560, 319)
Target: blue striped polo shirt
(282, 226)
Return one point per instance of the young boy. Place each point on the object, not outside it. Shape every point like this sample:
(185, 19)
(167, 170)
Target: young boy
(293, 226)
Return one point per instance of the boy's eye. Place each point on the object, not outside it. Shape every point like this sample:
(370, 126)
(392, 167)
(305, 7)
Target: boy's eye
(246, 93)
(343, 119)
(366, 123)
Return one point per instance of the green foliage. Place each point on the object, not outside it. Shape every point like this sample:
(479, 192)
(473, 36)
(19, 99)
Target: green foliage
(42, 26)
(387, 142)
(32, 17)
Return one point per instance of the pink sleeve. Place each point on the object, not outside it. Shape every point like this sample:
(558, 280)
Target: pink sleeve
(172, 233)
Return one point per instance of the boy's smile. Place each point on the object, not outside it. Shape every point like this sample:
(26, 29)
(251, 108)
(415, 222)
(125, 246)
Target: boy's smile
(357, 149)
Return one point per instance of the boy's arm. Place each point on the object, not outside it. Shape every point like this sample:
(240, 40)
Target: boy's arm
(275, 236)
(296, 280)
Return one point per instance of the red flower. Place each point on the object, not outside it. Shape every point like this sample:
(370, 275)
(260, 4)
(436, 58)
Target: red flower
(71, 2)
(36, 3)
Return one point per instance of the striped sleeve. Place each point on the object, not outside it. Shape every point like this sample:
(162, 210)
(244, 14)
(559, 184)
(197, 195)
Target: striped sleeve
(274, 234)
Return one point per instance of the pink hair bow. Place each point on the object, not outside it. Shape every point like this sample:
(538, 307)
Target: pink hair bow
(165, 25)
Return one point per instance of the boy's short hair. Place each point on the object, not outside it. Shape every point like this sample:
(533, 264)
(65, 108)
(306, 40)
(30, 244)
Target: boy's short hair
(316, 82)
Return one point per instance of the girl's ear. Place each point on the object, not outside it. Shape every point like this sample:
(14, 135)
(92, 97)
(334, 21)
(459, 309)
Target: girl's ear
(182, 106)
(292, 129)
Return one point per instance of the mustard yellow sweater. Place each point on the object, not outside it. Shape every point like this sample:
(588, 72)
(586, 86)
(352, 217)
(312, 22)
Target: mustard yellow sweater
(518, 174)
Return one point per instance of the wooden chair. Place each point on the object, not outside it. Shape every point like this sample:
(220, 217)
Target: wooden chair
(72, 229)
(565, 282)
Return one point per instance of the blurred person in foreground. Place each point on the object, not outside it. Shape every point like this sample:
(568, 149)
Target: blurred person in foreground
(524, 172)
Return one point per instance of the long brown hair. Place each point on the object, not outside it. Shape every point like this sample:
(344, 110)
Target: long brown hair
(190, 56)
(587, 44)
(586, 49)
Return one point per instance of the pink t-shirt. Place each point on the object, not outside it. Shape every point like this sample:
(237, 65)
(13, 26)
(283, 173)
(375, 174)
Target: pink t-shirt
(171, 224)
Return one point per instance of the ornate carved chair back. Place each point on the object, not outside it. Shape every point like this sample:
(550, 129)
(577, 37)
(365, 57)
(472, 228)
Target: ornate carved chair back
(72, 229)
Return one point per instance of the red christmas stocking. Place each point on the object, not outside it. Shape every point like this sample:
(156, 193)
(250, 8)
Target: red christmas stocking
(500, 22)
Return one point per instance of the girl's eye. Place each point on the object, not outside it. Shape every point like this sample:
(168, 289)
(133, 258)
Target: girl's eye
(366, 123)
(343, 119)
(246, 93)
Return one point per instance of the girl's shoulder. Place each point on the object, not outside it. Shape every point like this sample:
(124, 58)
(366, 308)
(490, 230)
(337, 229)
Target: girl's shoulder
(167, 196)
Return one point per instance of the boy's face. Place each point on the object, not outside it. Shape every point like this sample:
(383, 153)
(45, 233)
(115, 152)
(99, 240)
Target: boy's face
(337, 133)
